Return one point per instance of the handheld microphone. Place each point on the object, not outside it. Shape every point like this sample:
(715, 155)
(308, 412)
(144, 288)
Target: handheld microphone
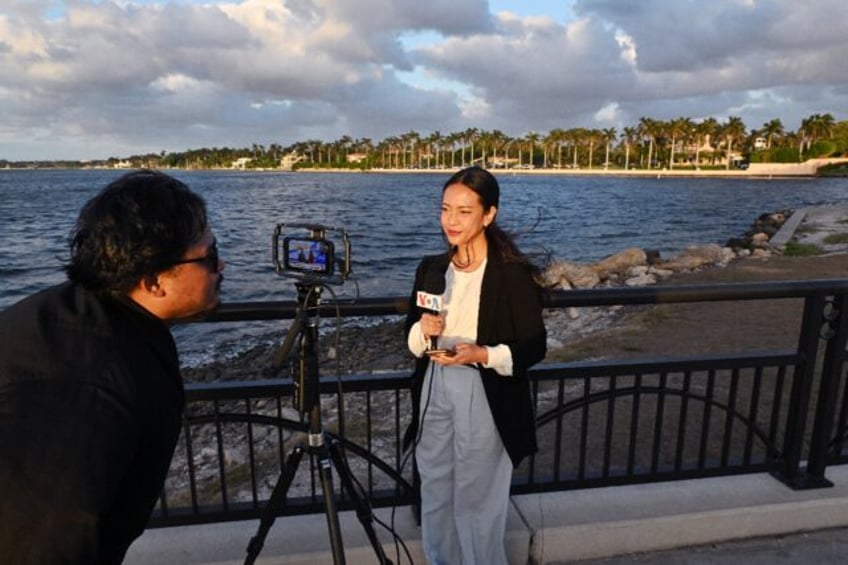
(429, 298)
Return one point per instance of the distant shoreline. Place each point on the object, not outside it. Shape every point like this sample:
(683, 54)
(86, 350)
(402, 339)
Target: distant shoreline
(807, 169)
(637, 173)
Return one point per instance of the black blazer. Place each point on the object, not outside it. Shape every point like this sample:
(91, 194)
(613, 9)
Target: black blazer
(510, 313)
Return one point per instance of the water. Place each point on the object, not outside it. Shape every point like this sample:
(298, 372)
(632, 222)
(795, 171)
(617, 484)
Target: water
(392, 220)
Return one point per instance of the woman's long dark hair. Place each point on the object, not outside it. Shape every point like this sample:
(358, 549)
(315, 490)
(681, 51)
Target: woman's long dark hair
(486, 186)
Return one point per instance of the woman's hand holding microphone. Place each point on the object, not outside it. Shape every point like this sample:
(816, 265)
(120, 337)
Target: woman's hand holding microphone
(432, 326)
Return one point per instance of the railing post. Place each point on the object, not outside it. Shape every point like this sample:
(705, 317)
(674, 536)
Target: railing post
(788, 470)
(836, 334)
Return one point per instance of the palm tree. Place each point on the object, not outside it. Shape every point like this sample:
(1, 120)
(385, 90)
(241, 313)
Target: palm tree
(557, 138)
(431, 144)
(344, 144)
(275, 149)
(469, 137)
(394, 147)
(822, 126)
(532, 139)
(817, 126)
(772, 129)
(705, 130)
(678, 128)
(630, 134)
(648, 128)
(591, 137)
(548, 143)
(734, 129)
(608, 135)
(576, 137)
(451, 140)
(497, 140)
(484, 142)
(410, 142)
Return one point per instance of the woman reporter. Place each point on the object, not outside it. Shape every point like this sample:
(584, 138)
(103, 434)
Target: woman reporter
(473, 413)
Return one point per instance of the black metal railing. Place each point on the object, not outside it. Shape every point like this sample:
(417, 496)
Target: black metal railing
(599, 423)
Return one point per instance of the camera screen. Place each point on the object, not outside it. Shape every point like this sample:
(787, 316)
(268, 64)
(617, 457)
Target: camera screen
(308, 255)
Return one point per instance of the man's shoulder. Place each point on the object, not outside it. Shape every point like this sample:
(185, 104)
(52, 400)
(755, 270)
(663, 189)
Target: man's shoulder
(61, 319)
(44, 299)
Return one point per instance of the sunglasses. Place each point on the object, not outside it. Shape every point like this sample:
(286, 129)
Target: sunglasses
(210, 260)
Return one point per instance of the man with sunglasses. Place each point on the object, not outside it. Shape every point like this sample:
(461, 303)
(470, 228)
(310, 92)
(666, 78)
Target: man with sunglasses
(91, 397)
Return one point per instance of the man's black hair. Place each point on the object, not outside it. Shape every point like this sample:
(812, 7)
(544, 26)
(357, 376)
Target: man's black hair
(138, 226)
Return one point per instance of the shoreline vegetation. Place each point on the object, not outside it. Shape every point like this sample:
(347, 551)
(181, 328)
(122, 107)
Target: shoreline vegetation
(809, 168)
(831, 166)
(649, 145)
(681, 146)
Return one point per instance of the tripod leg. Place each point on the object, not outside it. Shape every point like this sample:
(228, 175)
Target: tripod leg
(325, 470)
(278, 497)
(363, 509)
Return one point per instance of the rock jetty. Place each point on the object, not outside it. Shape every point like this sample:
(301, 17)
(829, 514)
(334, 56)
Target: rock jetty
(643, 267)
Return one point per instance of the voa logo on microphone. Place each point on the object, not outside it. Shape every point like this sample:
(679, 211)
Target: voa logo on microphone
(429, 301)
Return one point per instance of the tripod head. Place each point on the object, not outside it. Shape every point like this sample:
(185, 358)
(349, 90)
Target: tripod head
(307, 253)
(302, 361)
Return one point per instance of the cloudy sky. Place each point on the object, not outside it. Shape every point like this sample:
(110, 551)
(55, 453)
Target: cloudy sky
(89, 79)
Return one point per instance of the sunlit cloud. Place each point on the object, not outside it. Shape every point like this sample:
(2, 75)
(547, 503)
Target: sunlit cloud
(88, 79)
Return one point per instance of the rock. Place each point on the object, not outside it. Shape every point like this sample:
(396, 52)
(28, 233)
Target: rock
(760, 240)
(695, 257)
(554, 343)
(652, 256)
(572, 274)
(771, 222)
(660, 273)
(766, 224)
(727, 255)
(641, 280)
(554, 275)
(620, 262)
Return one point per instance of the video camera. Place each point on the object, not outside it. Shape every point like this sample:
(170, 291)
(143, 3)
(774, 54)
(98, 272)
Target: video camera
(311, 256)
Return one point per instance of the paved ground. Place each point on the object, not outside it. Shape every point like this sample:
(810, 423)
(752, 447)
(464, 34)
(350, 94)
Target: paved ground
(688, 521)
(825, 546)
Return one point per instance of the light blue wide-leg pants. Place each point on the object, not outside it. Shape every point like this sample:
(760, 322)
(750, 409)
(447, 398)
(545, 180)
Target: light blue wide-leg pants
(465, 471)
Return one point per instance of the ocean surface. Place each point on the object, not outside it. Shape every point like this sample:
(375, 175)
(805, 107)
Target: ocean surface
(391, 221)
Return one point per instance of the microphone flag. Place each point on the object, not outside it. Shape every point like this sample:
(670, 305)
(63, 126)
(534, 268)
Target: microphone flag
(427, 301)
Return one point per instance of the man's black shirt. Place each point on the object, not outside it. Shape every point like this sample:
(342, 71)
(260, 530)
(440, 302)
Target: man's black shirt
(91, 401)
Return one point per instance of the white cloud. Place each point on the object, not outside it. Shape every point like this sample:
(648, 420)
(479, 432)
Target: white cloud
(86, 79)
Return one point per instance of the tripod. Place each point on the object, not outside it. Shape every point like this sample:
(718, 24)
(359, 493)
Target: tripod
(304, 331)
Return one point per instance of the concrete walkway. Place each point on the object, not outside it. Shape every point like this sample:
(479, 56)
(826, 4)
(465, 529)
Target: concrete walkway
(565, 527)
(819, 547)
(812, 226)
